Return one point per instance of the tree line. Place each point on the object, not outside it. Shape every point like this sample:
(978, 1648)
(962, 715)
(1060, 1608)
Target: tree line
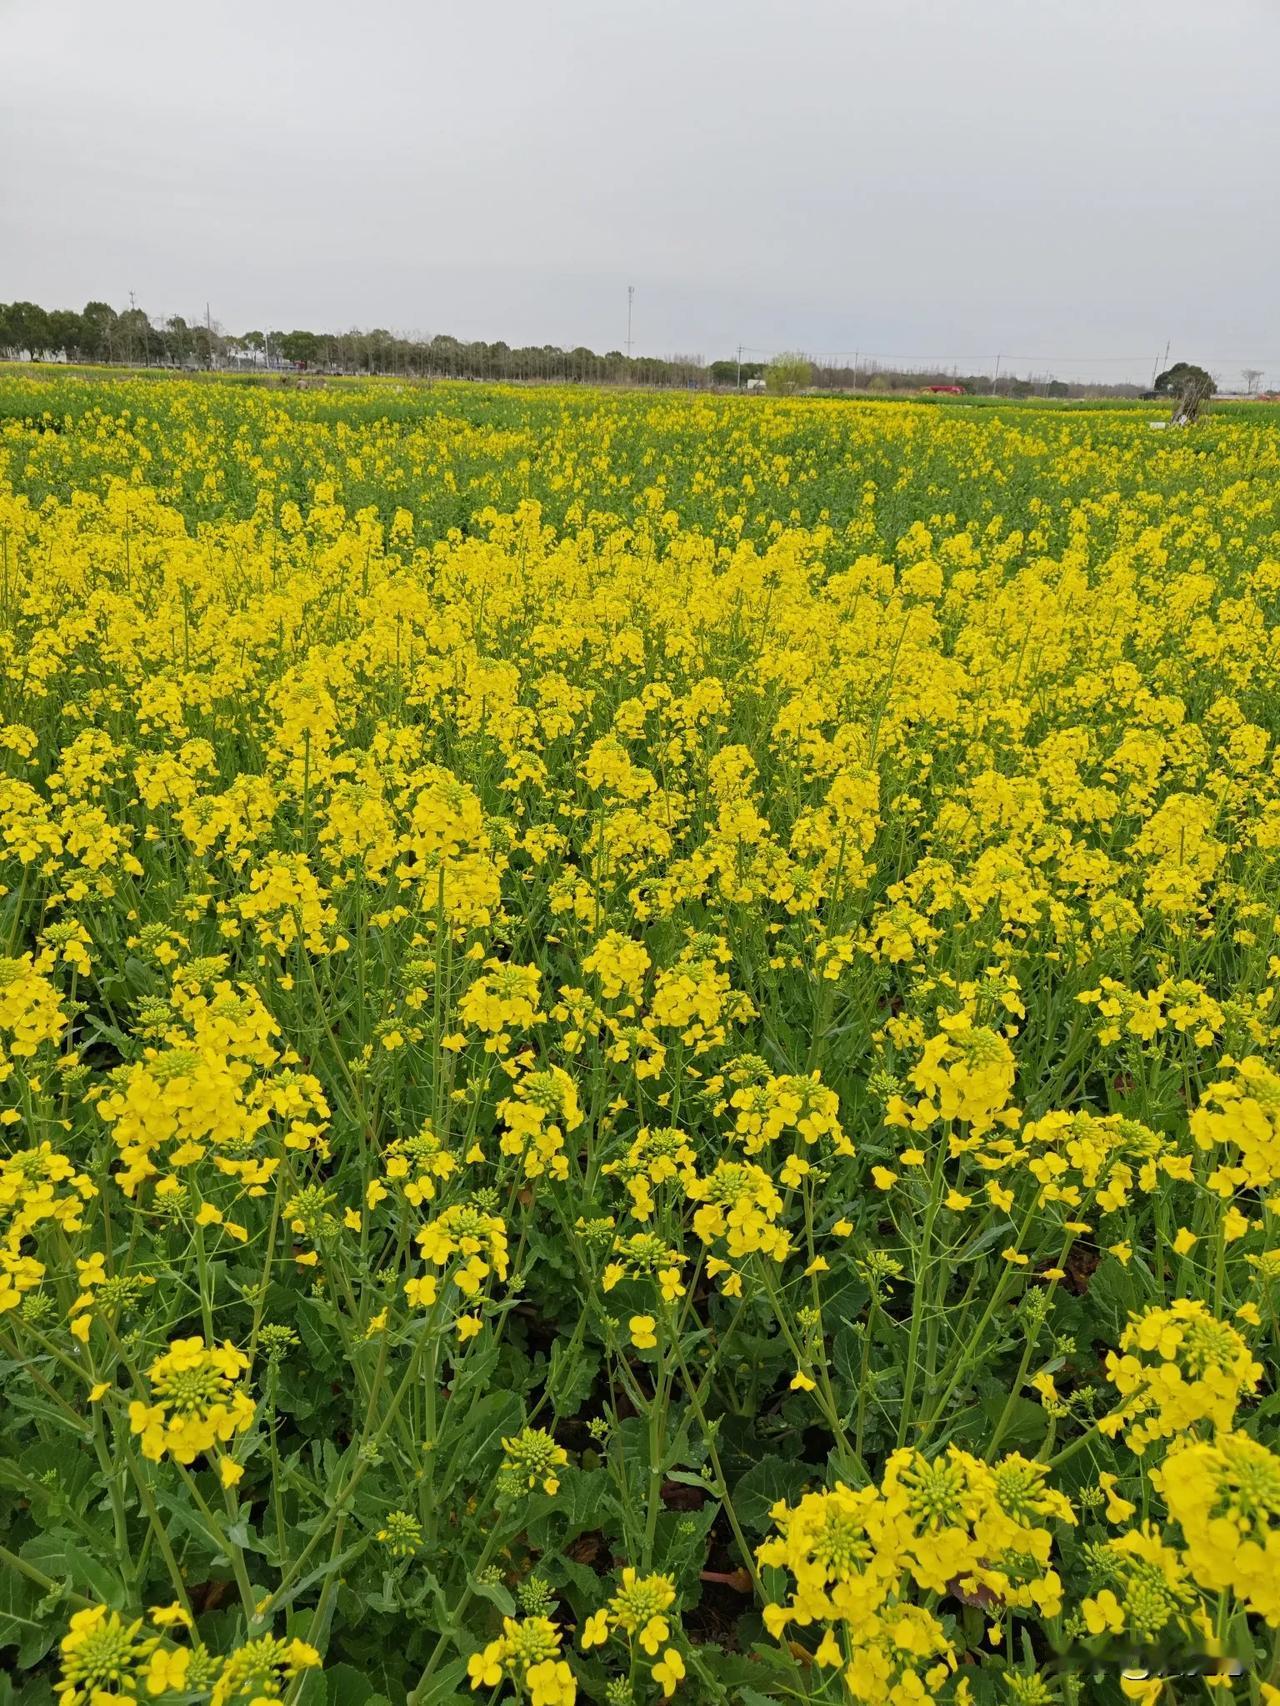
(131, 337)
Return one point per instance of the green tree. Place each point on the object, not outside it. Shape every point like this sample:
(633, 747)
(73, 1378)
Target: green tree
(301, 347)
(178, 340)
(99, 322)
(787, 374)
(26, 330)
(1181, 377)
(66, 333)
(138, 339)
(730, 371)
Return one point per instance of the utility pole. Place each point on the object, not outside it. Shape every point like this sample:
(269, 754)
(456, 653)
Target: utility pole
(631, 291)
(208, 326)
(738, 387)
(995, 383)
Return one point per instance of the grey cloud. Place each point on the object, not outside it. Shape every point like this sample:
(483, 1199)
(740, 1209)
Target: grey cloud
(915, 178)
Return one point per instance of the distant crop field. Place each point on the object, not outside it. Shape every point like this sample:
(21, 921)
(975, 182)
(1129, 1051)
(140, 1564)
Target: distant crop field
(638, 1049)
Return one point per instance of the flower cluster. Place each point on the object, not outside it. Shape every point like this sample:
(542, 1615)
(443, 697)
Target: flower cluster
(638, 1612)
(1178, 1369)
(468, 1237)
(1224, 1494)
(528, 1652)
(106, 1657)
(949, 1525)
(540, 1111)
(531, 1459)
(195, 1401)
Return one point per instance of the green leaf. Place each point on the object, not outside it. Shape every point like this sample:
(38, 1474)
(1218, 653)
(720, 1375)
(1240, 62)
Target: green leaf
(572, 1377)
(1026, 1424)
(139, 976)
(442, 1689)
(680, 1546)
(66, 1561)
(33, 1636)
(986, 1238)
(313, 1576)
(36, 1691)
(583, 1585)
(846, 1297)
(747, 1676)
(771, 1479)
(317, 1339)
(110, 1034)
(846, 1358)
(688, 1478)
(583, 1501)
(348, 1686)
(497, 1595)
(484, 1426)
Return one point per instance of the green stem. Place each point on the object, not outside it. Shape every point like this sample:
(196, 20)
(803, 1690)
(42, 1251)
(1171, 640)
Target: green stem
(468, 1594)
(46, 1583)
(225, 1544)
(919, 1290)
(722, 1486)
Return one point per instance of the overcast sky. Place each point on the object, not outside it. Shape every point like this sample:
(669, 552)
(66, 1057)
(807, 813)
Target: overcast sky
(1051, 180)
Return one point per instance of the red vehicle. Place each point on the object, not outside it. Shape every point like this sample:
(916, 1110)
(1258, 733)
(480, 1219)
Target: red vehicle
(945, 390)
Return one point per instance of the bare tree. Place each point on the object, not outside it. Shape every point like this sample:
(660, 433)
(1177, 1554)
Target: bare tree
(1251, 376)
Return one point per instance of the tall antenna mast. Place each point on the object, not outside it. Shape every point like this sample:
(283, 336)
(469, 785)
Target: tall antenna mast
(631, 292)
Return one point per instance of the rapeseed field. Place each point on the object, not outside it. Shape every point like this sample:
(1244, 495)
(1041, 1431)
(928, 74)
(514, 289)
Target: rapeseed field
(638, 1050)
